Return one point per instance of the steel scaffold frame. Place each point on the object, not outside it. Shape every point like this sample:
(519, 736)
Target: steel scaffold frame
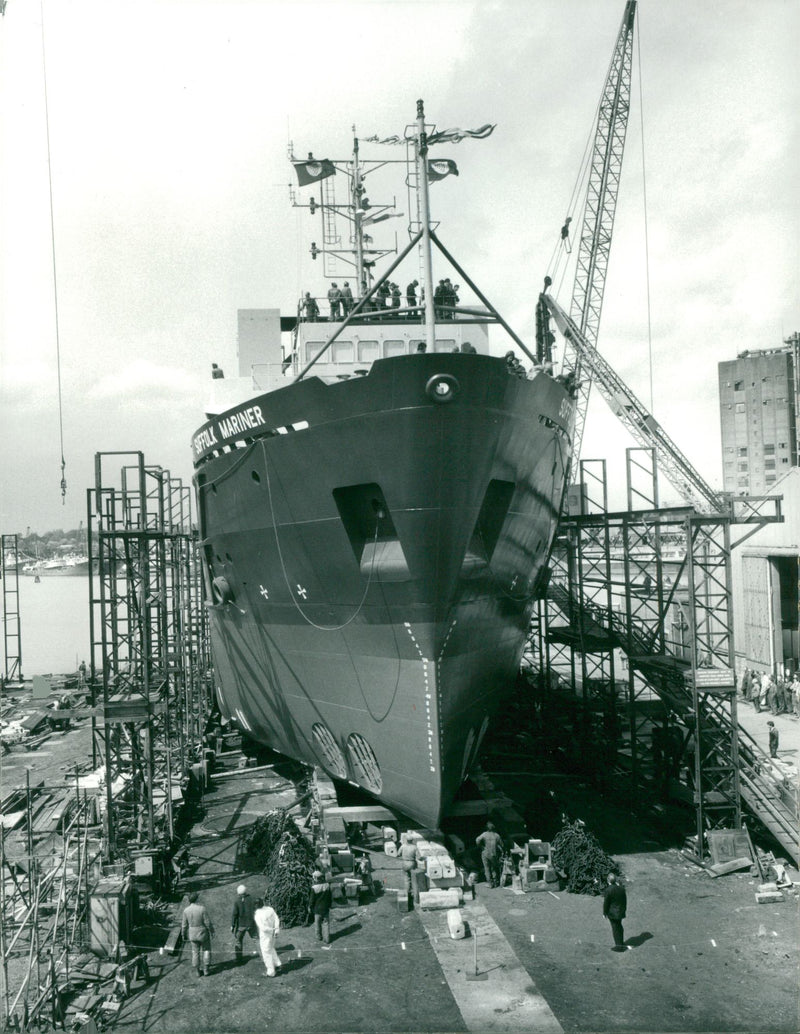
(148, 650)
(681, 687)
(12, 627)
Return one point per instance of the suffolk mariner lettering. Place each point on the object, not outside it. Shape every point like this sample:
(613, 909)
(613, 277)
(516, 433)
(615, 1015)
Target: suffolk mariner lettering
(231, 426)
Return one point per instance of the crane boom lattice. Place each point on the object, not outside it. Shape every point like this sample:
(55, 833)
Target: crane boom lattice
(598, 219)
(638, 420)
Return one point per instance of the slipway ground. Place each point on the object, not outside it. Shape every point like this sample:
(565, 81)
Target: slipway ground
(703, 956)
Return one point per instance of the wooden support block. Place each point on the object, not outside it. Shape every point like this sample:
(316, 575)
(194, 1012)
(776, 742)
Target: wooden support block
(723, 868)
(173, 941)
(455, 924)
(362, 813)
(450, 898)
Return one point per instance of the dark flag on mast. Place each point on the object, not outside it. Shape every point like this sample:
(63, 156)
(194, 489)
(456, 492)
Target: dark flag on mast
(438, 168)
(455, 136)
(313, 170)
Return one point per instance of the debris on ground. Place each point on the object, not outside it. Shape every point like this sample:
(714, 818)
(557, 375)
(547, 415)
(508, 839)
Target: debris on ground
(286, 858)
(578, 855)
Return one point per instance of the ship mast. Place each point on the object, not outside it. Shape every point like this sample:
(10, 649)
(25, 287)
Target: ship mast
(358, 190)
(421, 149)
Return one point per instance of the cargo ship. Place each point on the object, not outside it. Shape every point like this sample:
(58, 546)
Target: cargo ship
(377, 499)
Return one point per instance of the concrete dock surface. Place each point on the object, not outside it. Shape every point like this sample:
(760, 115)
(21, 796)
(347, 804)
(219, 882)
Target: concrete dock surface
(702, 955)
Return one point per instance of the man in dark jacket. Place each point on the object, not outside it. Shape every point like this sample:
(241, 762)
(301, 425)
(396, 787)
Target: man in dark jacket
(242, 922)
(615, 903)
(774, 739)
(319, 906)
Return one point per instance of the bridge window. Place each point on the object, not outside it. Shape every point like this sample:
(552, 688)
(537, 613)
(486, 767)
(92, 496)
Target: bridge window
(342, 352)
(391, 348)
(368, 351)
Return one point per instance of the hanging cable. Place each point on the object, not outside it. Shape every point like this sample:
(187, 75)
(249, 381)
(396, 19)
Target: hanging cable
(646, 238)
(55, 279)
(559, 251)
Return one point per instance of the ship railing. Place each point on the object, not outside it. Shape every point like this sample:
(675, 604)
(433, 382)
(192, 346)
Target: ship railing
(376, 310)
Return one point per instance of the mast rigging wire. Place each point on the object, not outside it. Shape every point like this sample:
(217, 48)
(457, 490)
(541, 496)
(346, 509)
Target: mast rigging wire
(55, 277)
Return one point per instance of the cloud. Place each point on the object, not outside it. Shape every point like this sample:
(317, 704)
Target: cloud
(143, 378)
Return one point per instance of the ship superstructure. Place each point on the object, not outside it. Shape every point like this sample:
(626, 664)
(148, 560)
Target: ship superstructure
(377, 514)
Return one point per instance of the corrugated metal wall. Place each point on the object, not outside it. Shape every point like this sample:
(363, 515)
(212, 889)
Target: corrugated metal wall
(757, 611)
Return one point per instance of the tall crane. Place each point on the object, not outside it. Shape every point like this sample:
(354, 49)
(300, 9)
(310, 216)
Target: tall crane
(598, 218)
(580, 328)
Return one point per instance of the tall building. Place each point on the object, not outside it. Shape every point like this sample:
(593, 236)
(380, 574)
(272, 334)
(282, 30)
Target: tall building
(758, 402)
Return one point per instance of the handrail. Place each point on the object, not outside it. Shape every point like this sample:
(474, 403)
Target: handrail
(756, 788)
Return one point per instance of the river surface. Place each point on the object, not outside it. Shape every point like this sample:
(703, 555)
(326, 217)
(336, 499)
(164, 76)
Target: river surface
(53, 624)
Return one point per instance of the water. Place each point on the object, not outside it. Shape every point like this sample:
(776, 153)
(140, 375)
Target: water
(54, 624)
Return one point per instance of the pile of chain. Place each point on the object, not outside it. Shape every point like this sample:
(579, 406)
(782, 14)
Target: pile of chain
(286, 858)
(578, 855)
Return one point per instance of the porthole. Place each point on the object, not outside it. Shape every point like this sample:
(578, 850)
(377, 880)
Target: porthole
(364, 763)
(221, 590)
(329, 749)
(442, 387)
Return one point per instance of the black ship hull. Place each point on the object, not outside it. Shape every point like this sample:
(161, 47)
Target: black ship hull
(373, 572)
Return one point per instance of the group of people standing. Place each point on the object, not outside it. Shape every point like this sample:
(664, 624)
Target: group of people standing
(445, 299)
(255, 918)
(251, 916)
(387, 297)
(766, 692)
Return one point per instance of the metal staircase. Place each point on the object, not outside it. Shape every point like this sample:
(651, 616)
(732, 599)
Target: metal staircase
(729, 764)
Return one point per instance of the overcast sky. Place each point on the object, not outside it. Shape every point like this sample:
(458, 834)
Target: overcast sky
(168, 129)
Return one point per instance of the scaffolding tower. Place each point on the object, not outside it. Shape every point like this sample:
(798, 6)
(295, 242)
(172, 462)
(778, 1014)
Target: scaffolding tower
(150, 658)
(637, 618)
(12, 630)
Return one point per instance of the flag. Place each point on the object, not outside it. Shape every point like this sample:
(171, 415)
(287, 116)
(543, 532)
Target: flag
(454, 136)
(312, 171)
(438, 168)
(370, 219)
(375, 139)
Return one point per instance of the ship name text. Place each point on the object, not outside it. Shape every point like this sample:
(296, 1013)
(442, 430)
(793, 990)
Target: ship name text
(231, 426)
(566, 411)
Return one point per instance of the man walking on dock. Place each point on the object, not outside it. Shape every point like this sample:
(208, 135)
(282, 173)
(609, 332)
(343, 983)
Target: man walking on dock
(197, 929)
(320, 906)
(490, 844)
(615, 904)
(408, 852)
(242, 922)
(268, 923)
